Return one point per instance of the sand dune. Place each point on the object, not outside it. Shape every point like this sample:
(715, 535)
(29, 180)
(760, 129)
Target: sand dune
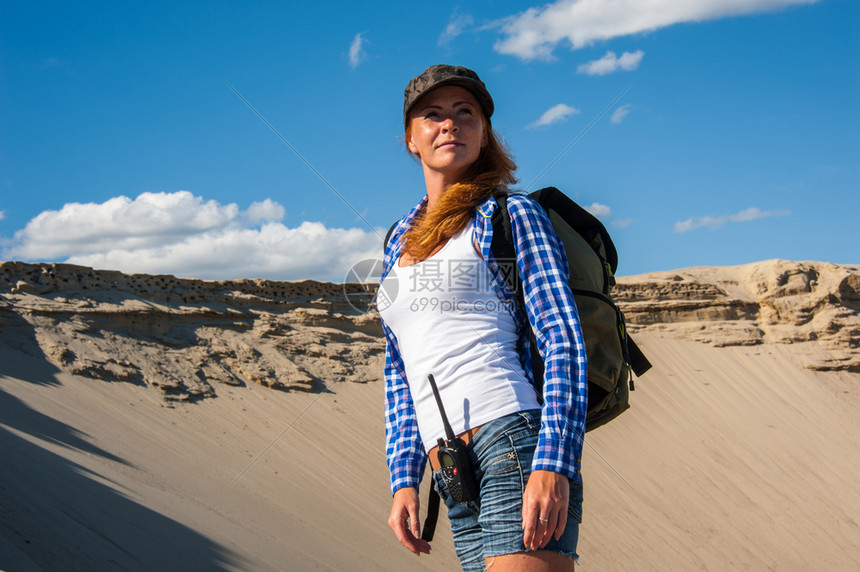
(159, 423)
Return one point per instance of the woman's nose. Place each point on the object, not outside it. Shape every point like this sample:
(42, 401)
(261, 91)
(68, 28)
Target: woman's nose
(449, 125)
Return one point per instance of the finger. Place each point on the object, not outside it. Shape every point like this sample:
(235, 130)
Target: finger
(413, 541)
(535, 532)
(421, 546)
(402, 534)
(417, 542)
(413, 520)
(563, 506)
(543, 528)
(561, 524)
(414, 544)
(548, 525)
(397, 522)
(530, 522)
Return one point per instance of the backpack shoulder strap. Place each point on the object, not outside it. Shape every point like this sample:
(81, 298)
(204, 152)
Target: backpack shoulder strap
(638, 361)
(502, 247)
(388, 235)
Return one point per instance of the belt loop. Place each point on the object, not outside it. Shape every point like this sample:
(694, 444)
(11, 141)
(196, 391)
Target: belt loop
(535, 418)
(528, 418)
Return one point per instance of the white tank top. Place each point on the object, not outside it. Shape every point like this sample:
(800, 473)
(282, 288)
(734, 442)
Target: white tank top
(448, 321)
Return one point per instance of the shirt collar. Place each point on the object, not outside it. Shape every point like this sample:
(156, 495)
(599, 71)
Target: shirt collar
(482, 221)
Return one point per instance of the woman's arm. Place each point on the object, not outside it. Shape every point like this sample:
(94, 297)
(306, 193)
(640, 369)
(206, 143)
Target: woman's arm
(552, 314)
(404, 450)
(403, 447)
(553, 317)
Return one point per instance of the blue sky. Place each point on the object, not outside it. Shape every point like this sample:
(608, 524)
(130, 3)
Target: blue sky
(123, 145)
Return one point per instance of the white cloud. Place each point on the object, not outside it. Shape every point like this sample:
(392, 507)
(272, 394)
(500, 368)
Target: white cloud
(599, 210)
(311, 251)
(555, 114)
(266, 211)
(2, 215)
(457, 24)
(178, 233)
(150, 219)
(356, 51)
(535, 33)
(715, 222)
(619, 114)
(610, 63)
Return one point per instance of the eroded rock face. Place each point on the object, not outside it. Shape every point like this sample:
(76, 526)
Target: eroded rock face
(184, 336)
(814, 305)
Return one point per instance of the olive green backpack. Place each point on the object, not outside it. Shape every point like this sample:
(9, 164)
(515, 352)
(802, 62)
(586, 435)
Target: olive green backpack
(592, 260)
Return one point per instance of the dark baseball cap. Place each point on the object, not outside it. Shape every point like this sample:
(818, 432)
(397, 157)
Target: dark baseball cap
(439, 75)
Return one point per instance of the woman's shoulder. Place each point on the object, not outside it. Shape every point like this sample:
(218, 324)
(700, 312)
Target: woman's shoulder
(397, 228)
(401, 225)
(522, 205)
(529, 219)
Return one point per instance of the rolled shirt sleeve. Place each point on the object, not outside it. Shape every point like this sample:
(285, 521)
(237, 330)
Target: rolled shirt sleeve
(404, 449)
(553, 316)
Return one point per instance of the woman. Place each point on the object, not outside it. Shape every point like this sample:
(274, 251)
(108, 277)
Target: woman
(453, 317)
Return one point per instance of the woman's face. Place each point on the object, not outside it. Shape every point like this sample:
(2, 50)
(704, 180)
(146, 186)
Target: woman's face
(446, 131)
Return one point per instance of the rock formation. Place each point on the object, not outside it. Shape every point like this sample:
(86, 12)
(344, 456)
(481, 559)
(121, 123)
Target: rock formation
(813, 305)
(187, 336)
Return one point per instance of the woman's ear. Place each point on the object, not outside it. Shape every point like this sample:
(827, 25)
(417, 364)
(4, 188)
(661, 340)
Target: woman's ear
(410, 145)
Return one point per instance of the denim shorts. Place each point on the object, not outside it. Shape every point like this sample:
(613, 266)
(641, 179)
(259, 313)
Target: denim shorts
(491, 525)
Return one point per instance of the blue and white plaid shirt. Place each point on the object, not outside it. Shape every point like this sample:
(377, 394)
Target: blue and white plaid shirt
(553, 316)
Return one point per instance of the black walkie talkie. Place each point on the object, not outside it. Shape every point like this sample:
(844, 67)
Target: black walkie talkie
(454, 463)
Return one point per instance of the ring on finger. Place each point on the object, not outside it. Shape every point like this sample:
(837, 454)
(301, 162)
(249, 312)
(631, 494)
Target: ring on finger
(543, 519)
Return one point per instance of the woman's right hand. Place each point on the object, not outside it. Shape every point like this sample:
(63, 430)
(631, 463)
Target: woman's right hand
(405, 522)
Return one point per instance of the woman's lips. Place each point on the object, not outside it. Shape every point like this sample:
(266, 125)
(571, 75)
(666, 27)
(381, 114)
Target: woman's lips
(449, 144)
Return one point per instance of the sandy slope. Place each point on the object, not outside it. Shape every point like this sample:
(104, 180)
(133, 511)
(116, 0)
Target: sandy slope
(742, 457)
(99, 476)
(732, 458)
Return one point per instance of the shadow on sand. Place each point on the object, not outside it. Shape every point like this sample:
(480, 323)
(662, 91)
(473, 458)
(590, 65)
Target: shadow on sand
(58, 515)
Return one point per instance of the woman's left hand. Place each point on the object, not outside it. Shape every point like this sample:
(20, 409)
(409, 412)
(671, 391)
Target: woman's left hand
(544, 508)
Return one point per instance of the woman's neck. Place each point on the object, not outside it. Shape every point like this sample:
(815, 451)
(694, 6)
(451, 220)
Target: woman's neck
(436, 184)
